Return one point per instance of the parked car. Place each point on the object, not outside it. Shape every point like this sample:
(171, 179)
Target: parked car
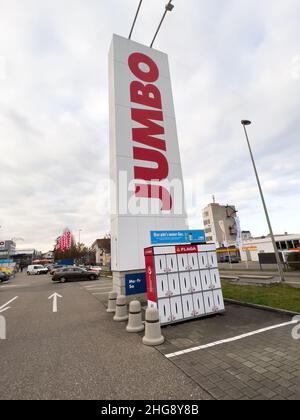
(95, 268)
(73, 274)
(4, 277)
(36, 269)
(233, 259)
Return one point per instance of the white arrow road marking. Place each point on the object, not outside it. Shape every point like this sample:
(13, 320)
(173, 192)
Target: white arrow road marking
(54, 297)
(4, 307)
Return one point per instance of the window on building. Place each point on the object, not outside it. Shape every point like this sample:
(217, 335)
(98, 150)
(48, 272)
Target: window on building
(297, 243)
(209, 238)
(283, 245)
(206, 222)
(205, 214)
(208, 230)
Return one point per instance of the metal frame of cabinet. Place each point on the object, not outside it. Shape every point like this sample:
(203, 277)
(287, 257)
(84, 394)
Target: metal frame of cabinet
(183, 282)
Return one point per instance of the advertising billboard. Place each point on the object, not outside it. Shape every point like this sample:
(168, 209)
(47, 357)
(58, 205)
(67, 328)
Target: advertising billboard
(178, 237)
(146, 178)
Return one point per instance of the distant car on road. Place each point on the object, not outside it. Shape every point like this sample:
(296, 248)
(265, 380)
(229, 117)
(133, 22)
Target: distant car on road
(36, 269)
(3, 277)
(73, 274)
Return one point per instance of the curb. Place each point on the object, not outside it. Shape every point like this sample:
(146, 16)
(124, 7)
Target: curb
(263, 308)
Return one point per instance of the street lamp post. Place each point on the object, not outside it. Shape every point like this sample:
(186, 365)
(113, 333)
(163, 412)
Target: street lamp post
(245, 123)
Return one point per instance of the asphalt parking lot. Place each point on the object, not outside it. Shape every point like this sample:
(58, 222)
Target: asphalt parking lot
(79, 351)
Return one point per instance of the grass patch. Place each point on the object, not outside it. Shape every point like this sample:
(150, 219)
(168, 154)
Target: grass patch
(278, 296)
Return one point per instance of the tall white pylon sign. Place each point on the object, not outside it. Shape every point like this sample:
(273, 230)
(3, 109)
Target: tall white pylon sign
(146, 178)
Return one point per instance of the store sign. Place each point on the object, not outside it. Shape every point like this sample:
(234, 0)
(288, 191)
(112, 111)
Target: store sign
(177, 237)
(249, 248)
(135, 284)
(145, 169)
(6, 261)
(2, 245)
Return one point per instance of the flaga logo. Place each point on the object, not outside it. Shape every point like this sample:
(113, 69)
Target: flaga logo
(144, 92)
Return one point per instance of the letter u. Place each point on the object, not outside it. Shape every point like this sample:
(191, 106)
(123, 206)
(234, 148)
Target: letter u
(149, 174)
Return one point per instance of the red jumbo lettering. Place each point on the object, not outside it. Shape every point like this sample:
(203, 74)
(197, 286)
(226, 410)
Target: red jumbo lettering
(145, 134)
(150, 174)
(155, 191)
(148, 95)
(135, 60)
(145, 95)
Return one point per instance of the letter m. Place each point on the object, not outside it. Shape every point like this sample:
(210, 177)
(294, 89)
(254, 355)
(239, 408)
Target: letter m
(145, 135)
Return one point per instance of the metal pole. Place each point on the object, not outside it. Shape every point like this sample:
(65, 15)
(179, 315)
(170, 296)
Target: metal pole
(169, 7)
(280, 271)
(135, 18)
(229, 257)
(159, 26)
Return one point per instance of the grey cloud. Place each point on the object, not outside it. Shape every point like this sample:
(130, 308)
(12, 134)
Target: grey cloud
(229, 60)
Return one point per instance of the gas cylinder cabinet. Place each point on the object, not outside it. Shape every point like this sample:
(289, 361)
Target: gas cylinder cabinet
(183, 282)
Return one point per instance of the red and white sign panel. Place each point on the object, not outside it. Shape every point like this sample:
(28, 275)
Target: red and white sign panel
(183, 282)
(147, 188)
(68, 239)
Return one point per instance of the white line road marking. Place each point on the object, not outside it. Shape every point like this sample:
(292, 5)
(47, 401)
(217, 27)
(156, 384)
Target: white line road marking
(5, 309)
(105, 293)
(2, 308)
(54, 297)
(96, 285)
(99, 288)
(230, 340)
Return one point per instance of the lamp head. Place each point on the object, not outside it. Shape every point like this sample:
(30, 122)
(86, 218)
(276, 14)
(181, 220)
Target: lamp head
(169, 7)
(246, 122)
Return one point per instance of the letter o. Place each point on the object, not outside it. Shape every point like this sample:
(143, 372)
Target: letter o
(134, 62)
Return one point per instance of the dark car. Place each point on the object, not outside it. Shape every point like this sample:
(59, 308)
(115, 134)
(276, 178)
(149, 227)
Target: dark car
(54, 268)
(3, 277)
(73, 274)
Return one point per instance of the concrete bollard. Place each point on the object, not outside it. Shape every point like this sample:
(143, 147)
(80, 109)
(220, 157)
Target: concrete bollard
(153, 336)
(121, 309)
(112, 300)
(135, 323)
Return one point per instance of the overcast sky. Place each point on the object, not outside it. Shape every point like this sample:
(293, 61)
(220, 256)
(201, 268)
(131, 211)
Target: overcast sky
(229, 60)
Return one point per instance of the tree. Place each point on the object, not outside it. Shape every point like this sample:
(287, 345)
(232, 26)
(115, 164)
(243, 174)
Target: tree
(79, 252)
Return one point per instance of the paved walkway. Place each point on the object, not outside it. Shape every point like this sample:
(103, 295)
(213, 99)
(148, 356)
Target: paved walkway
(262, 366)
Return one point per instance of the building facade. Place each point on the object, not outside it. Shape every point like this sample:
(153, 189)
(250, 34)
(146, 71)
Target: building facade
(48, 255)
(7, 249)
(220, 224)
(246, 235)
(252, 247)
(101, 247)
